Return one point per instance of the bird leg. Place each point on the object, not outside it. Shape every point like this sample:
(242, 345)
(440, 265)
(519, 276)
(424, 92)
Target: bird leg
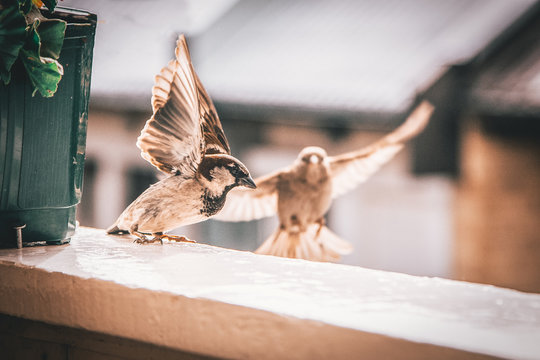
(174, 238)
(142, 239)
(321, 223)
(278, 233)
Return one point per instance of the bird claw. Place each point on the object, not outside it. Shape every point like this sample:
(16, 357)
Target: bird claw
(143, 240)
(176, 238)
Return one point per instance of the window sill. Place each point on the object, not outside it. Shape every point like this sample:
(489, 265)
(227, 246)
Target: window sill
(234, 304)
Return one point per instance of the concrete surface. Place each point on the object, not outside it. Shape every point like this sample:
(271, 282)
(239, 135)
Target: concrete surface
(233, 304)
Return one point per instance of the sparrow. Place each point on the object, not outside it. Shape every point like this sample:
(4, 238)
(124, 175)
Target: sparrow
(302, 193)
(185, 140)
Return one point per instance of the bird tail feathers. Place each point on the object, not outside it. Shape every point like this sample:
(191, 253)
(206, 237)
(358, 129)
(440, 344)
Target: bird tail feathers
(326, 246)
(115, 230)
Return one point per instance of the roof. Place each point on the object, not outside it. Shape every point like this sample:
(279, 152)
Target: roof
(135, 39)
(363, 56)
(358, 56)
(509, 81)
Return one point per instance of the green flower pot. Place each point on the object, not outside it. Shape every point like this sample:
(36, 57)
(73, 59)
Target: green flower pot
(42, 143)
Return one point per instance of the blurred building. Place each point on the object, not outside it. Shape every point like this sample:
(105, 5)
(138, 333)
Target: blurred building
(498, 207)
(287, 74)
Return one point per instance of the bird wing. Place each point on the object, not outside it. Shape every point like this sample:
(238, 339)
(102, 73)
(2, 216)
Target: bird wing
(214, 137)
(184, 122)
(351, 169)
(246, 204)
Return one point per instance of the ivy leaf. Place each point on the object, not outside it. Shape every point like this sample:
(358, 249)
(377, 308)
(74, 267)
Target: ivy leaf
(51, 33)
(44, 73)
(25, 6)
(50, 4)
(12, 37)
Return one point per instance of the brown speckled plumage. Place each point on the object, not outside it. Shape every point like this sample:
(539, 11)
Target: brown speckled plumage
(185, 140)
(211, 204)
(301, 194)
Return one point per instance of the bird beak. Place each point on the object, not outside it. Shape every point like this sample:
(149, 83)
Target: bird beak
(314, 159)
(248, 182)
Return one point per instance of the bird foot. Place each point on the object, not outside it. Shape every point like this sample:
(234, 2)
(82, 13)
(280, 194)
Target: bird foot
(143, 240)
(176, 238)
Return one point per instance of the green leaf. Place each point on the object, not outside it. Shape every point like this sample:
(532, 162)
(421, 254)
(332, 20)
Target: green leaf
(25, 6)
(12, 38)
(33, 15)
(50, 4)
(44, 73)
(51, 32)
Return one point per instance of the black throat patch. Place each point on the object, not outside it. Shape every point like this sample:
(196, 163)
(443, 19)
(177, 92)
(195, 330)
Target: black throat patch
(212, 204)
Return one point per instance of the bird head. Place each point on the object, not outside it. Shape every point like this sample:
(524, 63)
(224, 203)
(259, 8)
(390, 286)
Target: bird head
(311, 164)
(311, 155)
(222, 172)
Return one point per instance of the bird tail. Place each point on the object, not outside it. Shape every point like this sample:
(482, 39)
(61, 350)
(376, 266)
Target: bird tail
(115, 230)
(326, 246)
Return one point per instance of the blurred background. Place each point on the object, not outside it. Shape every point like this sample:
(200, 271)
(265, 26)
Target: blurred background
(461, 201)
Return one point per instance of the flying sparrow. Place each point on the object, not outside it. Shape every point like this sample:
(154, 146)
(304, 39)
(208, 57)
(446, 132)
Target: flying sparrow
(302, 193)
(185, 140)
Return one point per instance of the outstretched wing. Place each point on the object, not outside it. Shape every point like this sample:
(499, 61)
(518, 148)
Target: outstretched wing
(245, 204)
(184, 121)
(351, 169)
(214, 137)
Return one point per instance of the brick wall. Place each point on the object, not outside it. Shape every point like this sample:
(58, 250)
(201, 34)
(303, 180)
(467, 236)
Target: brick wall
(498, 209)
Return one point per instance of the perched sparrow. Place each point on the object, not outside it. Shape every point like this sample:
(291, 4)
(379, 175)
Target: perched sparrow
(185, 140)
(302, 193)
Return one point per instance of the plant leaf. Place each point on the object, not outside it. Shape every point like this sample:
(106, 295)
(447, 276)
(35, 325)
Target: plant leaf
(33, 15)
(50, 4)
(51, 33)
(25, 6)
(44, 73)
(12, 38)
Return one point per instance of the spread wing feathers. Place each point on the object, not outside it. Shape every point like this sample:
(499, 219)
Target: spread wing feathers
(327, 246)
(353, 168)
(184, 118)
(172, 138)
(214, 137)
(245, 204)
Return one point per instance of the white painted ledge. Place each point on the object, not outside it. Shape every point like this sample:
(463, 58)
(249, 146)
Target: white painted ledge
(233, 304)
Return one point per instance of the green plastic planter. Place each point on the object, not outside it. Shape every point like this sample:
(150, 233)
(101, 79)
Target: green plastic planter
(42, 143)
